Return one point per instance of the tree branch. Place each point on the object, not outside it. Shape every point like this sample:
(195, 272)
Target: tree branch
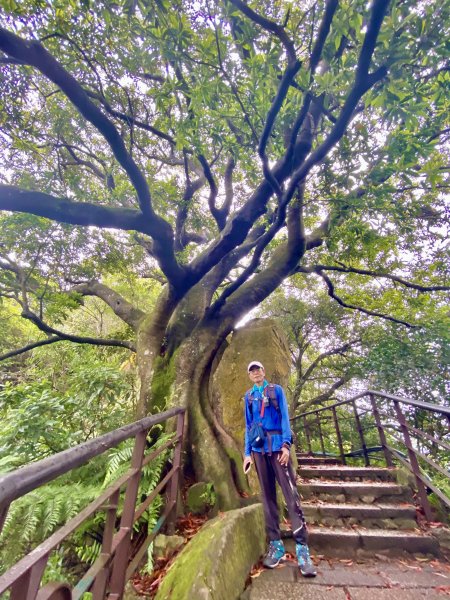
(28, 314)
(238, 227)
(121, 307)
(66, 211)
(29, 347)
(345, 269)
(325, 395)
(268, 25)
(102, 176)
(216, 213)
(80, 340)
(84, 213)
(371, 313)
(324, 355)
(129, 119)
(363, 82)
(324, 30)
(34, 54)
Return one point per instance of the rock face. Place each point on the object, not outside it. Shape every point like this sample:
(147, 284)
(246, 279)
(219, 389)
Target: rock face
(166, 545)
(262, 340)
(200, 498)
(216, 562)
(443, 536)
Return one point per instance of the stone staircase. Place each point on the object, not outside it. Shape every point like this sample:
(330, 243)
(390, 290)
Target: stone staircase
(358, 511)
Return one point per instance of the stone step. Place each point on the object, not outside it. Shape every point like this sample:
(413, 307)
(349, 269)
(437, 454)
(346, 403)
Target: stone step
(359, 542)
(378, 516)
(317, 460)
(362, 579)
(350, 491)
(344, 473)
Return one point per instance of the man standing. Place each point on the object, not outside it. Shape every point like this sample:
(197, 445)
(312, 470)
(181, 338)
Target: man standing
(267, 444)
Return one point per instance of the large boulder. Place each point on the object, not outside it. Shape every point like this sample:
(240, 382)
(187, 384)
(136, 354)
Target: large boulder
(216, 562)
(262, 340)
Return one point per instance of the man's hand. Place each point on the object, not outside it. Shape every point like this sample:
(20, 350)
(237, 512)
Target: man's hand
(283, 457)
(248, 461)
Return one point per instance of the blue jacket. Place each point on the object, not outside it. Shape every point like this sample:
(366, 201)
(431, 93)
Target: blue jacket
(272, 419)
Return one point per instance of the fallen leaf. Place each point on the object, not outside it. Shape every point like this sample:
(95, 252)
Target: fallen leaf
(444, 589)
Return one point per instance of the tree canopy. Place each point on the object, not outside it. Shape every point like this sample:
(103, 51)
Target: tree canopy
(218, 148)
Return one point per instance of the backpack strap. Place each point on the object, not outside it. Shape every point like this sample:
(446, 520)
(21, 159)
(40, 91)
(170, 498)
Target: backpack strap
(269, 392)
(249, 396)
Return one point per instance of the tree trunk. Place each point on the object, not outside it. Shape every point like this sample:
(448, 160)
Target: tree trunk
(174, 365)
(210, 451)
(149, 354)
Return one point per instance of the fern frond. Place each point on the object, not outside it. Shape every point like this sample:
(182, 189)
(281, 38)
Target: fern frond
(118, 461)
(51, 515)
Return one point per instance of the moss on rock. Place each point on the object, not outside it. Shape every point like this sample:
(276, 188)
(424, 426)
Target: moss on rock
(200, 497)
(260, 339)
(216, 562)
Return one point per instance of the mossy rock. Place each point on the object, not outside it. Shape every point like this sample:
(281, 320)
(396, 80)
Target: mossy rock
(260, 339)
(405, 478)
(442, 534)
(216, 562)
(166, 545)
(200, 498)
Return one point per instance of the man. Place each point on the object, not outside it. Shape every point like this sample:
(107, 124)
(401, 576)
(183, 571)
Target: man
(266, 406)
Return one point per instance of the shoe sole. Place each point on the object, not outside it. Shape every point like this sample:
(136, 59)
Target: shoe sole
(275, 565)
(308, 574)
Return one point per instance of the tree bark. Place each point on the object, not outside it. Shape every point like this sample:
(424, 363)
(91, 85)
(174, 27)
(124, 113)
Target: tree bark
(209, 451)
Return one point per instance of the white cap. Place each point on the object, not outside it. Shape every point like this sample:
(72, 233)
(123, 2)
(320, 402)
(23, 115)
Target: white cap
(254, 363)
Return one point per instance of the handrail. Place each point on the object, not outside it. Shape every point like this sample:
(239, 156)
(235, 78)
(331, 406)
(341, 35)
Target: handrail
(27, 478)
(368, 416)
(118, 558)
(439, 408)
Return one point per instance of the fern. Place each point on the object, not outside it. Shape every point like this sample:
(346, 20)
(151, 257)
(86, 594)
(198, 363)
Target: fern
(89, 552)
(37, 515)
(51, 515)
(118, 461)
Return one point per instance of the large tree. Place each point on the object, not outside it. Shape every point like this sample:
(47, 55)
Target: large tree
(219, 147)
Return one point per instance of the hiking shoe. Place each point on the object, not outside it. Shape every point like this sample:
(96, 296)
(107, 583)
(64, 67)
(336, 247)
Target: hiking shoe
(305, 563)
(274, 554)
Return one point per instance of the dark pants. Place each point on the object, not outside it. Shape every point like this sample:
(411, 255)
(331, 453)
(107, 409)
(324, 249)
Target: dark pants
(269, 471)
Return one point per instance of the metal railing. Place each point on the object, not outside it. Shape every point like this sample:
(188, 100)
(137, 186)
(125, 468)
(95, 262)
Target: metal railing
(118, 558)
(377, 423)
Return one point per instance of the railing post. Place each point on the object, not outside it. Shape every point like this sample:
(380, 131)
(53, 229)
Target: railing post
(308, 437)
(376, 414)
(122, 554)
(338, 434)
(101, 580)
(361, 435)
(3, 513)
(174, 483)
(26, 587)
(322, 445)
(414, 463)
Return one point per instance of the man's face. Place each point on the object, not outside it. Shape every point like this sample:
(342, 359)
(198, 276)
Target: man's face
(257, 375)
